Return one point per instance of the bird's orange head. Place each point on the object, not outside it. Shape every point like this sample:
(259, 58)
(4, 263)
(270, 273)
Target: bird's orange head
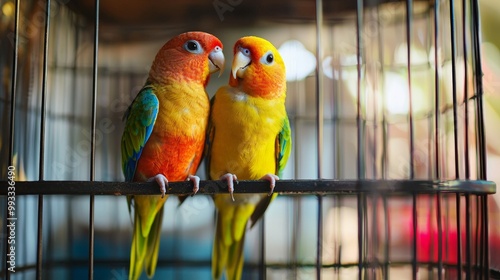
(258, 68)
(188, 57)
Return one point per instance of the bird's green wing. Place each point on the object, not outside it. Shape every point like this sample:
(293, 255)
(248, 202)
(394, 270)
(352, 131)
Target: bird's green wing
(283, 149)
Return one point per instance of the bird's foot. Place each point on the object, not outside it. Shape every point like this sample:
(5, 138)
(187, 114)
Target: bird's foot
(272, 179)
(230, 179)
(196, 182)
(162, 182)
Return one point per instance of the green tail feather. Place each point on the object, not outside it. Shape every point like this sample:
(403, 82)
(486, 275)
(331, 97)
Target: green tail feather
(137, 251)
(229, 257)
(219, 251)
(154, 244)
(144, 250)
(235, 260)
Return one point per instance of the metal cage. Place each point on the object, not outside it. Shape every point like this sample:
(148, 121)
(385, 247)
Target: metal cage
(387, 178)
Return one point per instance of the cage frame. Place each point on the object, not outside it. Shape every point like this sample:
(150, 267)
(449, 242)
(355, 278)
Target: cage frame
(320, 187)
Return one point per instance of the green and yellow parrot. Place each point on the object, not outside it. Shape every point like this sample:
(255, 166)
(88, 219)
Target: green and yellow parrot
(249, 138)
(164, 134)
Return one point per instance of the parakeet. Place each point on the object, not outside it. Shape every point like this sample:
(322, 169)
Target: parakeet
(248, 138)
(164, 134)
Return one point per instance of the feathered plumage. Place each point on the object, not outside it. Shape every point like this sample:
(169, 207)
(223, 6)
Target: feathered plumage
(249, 138)
(164, 134)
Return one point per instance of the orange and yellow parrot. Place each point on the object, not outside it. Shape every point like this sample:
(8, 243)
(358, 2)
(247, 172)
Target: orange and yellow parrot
(164, 134)
(249, 138)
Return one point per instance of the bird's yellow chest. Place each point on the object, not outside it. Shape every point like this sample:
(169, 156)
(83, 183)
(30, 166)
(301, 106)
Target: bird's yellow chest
(246, 128)
(183, 111)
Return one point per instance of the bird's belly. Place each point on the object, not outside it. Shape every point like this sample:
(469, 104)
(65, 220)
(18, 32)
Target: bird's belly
(174, 157)
(249, 158)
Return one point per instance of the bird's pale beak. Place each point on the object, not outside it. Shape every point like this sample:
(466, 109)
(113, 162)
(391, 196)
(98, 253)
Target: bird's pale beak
(240, 63)
(216, 61)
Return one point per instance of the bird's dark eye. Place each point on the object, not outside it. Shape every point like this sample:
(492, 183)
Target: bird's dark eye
(269, 58)
(193, 46)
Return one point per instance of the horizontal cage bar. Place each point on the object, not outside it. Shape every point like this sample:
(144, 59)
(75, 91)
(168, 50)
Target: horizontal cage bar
(282, 186)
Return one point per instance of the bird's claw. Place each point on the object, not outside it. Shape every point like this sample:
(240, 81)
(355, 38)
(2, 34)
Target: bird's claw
(196, 182)
(230, 178)
(162, 181)
(272, 180)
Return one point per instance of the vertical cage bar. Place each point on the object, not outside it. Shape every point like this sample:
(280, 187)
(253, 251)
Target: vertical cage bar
(484, 222)
(481, 145)
(437, 136)
(429, 227)
(296, 200)
(409, 21)
(69, 224)
(359, 120)
(296, 210)
(446, 230)
(466, 91)
(335, 105)
(459, 238)
(44, 92)
(337, 199)
(374, 240)
(49, 255)
(12, 118)
(374, 236)
(41, 170)
(360, 156)
(454, 86)
(482, 257)
(360, 198)
(478, 82)
(14, 84)
(92, 142)
(49, 200)
(478, 243)
(338, 239)
(468, 223)
(455, 133)
(372, 66)
(468, 234)
(262, 262)
(70, 199)
(383, 169)
(319, 84)
(319, 129)
(319, 249)
(440, 236)
(387, 238)
(414, 243)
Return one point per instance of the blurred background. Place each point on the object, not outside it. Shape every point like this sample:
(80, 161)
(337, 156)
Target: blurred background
(130, 34)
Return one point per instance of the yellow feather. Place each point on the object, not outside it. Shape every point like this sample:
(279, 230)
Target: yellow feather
(245, 145)
(247, 118)
(247, 140)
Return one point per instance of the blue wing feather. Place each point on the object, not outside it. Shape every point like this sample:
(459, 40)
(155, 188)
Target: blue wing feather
(140, 119)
